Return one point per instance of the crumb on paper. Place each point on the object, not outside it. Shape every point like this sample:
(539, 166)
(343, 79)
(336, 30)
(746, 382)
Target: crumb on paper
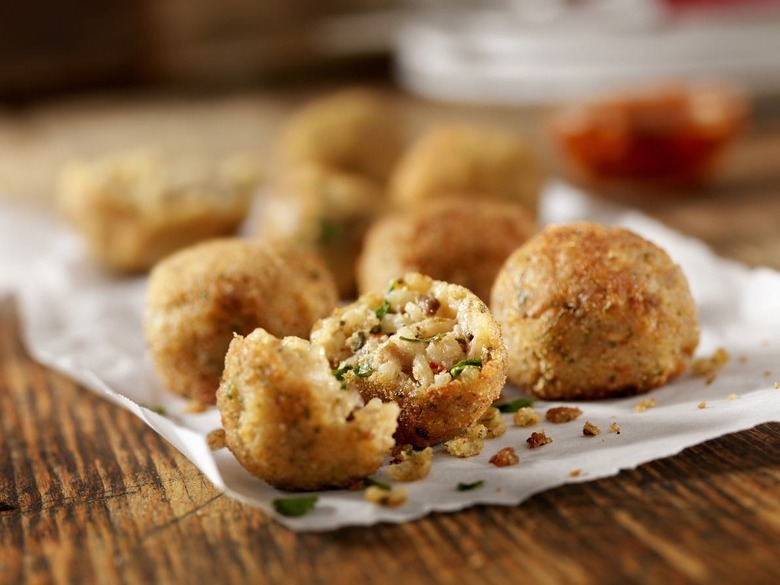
(562, 414)
(526, 417)
(537, 439)
(494, 422)
(708, 367)
(702, 405)
(469, 443)
(732, 396)
(614, 428)
(412, 465)
(777, 385)
(590, 430)
(216, 439)
(505, 457)
(767, 373)
(743, 359)
(575, 472)
(644, 404)
(395, 496)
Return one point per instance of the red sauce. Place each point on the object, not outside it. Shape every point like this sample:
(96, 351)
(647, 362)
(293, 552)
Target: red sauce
(672, 135)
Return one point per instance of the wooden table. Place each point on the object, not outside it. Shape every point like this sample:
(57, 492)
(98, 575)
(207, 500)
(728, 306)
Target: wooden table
(89, 494)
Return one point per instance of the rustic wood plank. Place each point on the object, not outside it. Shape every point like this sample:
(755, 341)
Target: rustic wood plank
(90, 494)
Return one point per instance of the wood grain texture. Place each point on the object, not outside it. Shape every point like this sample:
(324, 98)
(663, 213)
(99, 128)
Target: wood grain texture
(89, 494)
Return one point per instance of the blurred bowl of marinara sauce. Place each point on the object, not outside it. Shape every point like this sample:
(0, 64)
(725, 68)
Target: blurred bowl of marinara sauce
(667, 135)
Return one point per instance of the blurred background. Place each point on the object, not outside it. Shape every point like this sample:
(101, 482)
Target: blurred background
(81, 77)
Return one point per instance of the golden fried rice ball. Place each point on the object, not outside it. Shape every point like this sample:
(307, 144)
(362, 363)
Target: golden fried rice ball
(430, 346)
(199, 297)
(354, 130)
(461, 160)
(289, 422)
(326, 209)
(135, 208)
(451, 240)
(592, 312)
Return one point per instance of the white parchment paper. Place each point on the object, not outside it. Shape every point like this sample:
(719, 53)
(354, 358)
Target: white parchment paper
(87, 324)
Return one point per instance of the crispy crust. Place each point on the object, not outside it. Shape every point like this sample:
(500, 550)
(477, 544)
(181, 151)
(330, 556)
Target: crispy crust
(446, 324)
(289, 422)
(355, 130)
(450, 240)
(326, 209)
(137, 208)
(592, 312)
(460, 160)
(200, 296)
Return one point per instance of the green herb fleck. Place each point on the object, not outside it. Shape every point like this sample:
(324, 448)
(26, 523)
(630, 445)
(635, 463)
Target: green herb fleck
(423, 339)
(230, 389)
(363, 370)
(328, 232)
(359, 342)
(375, 329)
(467, 487)
(341, 371)
(158, 409)
(458, 368)
(382, 309)
(514, 405)
(394, 284)
(295, 507)
(368, 482)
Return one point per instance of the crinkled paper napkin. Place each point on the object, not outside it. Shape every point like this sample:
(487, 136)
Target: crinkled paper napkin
(87, 325)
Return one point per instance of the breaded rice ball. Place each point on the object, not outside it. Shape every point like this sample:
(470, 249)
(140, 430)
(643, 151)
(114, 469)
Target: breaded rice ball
(430, 346)
(355, 130)
(460, 160)
(135, 208)
(451, 240)
(326, 209)
(199, 297)
(289, 422)
(589, 311)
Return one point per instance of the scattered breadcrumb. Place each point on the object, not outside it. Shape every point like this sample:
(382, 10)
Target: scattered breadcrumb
(575, 473)
(469, 443)
(732, 396)
(590, 430)
(505, 457)
(537, 439)
(709, 366)
(777, 385)
(395, 496)
(216, 439)
(412, 465)
(526, 417)
(614, 428)
(743, 359)
(563, 414)
(494, 422)
(702, 404)
(767, 373)
(644, 404)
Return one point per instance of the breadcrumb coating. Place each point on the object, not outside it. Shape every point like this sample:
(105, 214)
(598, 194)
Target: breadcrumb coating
(199, 297)
(137, 207)
(471, 161)
(288, 421)
(589, 311)
(451, 240)
(354, 130)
